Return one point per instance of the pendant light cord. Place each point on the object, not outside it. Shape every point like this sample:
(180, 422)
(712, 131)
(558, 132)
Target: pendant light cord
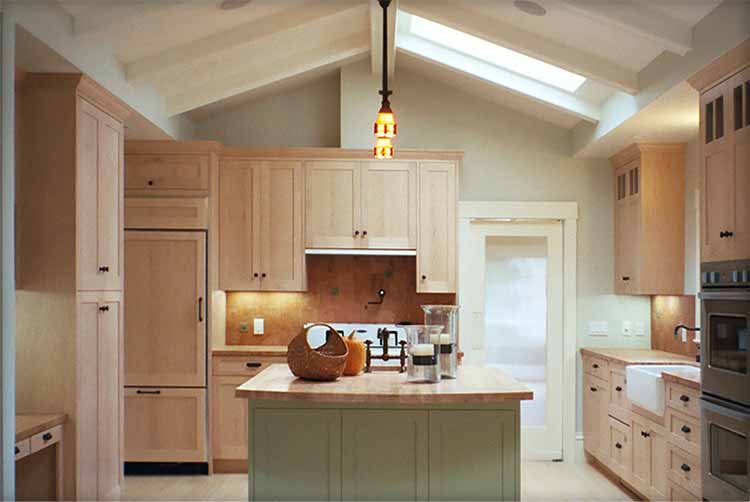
(385, 92)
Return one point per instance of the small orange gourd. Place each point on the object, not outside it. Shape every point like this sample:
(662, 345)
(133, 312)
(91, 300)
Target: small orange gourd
(355, 361)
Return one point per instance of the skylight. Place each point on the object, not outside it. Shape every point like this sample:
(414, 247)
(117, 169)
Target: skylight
(495, 54)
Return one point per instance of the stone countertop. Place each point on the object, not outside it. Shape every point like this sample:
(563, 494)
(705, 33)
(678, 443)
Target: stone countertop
(28, 425)
(639, 356)
(475, 384)
(253, 350)
(681, 377)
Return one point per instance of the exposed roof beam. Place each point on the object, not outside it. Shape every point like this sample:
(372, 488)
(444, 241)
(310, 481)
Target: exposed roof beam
(510, 81)
(338, 52)
(242, 36)
(506, 35)
(376, 36)
(671, 34)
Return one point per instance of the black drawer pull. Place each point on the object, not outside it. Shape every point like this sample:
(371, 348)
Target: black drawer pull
(593, 389)
(645, 434)
(618, 388)
(253, 365)
(685, 467)
(17, 450)
(152, 392)
(595, 366)
(104, 269)
(626, 278)
(684, 398)
(150, 183)
(104, 308)
(618, 446)
(685, 429)
(424, 277)
(47, 436)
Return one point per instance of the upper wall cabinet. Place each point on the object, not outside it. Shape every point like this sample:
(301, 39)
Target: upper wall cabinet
(436, 247)
(649, 219)
(361, 205)
(260, 225)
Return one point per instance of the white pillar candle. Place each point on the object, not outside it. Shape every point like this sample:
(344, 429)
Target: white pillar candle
(422, 349)
(444, 339)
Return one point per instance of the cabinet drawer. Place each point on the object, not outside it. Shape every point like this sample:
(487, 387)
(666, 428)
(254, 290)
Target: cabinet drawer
(678, 494)
(244, 365)
(684, 469)
(683, 399)
(166, 172)
(46, 438)
(165, 425)
(596, 366)
(23, 448)
(166, 213)
(684, 431)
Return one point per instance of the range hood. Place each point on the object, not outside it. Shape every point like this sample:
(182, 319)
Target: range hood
(361, 252)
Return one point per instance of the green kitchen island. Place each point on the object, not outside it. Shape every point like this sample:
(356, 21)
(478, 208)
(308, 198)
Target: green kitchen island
(377, 437)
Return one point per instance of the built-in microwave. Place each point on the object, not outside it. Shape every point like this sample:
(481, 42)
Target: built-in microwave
(725, 450)
(725, 344)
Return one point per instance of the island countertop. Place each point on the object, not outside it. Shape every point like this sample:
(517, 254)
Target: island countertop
(475, 384)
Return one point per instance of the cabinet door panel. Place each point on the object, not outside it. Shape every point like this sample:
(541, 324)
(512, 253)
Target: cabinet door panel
(229, 417)
(165, 425)
(719, 204)
(166, 172)
(239, 221)
(98, 404)
(370, 469)
(282, 250)
(165, 311)
(277, 438)
(389, 205)
(99, 200)
(456, 438)
(436, 249)
(332, 205)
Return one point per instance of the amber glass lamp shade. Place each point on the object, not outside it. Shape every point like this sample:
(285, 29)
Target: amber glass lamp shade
(383, 148)
(385, 125)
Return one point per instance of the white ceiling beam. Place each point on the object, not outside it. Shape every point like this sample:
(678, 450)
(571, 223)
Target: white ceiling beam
(671, 34)
(506, 35)
(90, 19)
(338, 52)
(376, 35)
(511, 81)
(242, 36)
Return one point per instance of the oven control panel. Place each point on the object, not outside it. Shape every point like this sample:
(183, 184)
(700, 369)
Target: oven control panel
(726, 274)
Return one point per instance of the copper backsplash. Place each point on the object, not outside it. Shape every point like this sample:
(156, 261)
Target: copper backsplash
(666, 313)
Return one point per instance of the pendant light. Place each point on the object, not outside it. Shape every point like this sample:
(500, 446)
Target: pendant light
(385, 125)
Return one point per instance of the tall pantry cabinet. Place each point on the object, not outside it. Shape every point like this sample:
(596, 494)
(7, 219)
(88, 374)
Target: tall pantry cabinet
(69, 238)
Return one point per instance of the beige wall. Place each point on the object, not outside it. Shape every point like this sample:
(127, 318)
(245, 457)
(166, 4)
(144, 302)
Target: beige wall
(306, 115)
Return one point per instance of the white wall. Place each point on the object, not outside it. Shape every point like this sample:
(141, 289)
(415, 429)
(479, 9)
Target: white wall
(508, 157)
(307, 115)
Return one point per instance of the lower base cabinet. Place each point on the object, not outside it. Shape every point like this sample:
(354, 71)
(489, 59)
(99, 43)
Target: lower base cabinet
(650, 454)
(620, 447)
(383, 454)
(165, 425)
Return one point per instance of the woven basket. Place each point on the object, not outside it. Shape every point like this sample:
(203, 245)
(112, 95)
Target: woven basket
(324, 363)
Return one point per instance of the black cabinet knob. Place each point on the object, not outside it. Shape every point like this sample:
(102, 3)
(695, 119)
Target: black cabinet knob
(150, 183)
(685, 429)
(618, 446)
(17, 451)
(684, 398)
(424, 277)
(256, 275)
(263, 275)
(685, 467)
(47, 436)
(595, 366)
(356, 233)
(618, 388)
(253, 365)
(593, 389)
(104, 308)
(364, 233)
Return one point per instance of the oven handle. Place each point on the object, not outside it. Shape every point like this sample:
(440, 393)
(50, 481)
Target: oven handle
(741, 295)
(734, 411)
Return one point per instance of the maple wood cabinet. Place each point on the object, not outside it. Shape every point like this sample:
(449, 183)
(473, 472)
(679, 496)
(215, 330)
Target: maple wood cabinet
(725, 169)
(361, 204)
(649, 219)
(69, 221)
(650, 454)
(260, 225)
(436, 246)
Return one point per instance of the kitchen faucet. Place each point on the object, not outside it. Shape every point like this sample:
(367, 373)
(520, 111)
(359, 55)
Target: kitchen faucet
(694, 329)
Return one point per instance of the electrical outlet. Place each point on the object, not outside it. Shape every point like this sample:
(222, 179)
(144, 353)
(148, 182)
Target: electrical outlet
(257, 327)
(627, 328)
(244, 327)
(598, 328)
(640, 328)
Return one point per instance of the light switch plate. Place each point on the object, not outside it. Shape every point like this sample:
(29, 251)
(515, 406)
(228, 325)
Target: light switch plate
(640, 328)
(627, 328)
(598, 328)
(257, 326)
(244, 327)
